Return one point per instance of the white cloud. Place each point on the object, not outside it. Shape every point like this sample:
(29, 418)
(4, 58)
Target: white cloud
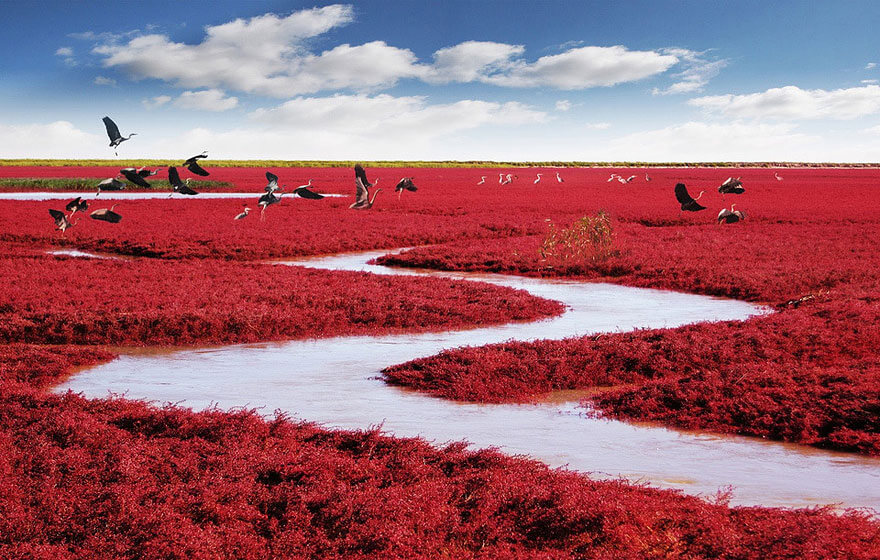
(584, 67)
(66, 53)
(205, 100)
(269, 55)
(873, 129)
(104, 81)
(563, 105)
(696, 74)
(471, 61)
(698, 141)
(258, 55)
(870, 81)
(59, 139)
(385, 115)
(598, 126)
(870, 65)
(792, 102)
(155, 102)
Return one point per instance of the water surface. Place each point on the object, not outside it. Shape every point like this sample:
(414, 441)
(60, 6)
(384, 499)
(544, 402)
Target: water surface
(334, 382)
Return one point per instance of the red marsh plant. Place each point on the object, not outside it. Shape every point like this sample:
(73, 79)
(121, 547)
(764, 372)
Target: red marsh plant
(112, 478)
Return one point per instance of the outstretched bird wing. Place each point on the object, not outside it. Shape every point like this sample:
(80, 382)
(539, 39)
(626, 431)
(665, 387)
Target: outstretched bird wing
(58, 216)
(359, 173)
(196, 158)
(194, 167)
(112, 129)
(273, 182)
(174, 177)
(135, 178)
(73, 204)
(406, 183)
(306, 193)
(681, 194)
(361, 195)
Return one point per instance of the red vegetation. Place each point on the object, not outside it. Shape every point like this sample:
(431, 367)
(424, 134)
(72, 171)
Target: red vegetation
(64, 300)
(115, 478)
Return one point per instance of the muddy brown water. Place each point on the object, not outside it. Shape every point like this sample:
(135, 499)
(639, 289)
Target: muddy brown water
(334, 382)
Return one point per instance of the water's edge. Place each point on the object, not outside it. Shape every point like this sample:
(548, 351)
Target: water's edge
(334, 382)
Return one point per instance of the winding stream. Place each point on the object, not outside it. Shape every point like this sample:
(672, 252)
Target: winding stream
(334, 382)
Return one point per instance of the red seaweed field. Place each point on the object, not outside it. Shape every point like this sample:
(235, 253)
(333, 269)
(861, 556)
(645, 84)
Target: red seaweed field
(116, 478)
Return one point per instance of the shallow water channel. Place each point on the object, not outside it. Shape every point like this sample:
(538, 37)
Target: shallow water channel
(334, 382)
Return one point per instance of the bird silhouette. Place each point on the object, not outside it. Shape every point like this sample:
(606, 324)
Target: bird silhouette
(177, 185)
(132, 175)
(731, 186)
(362, 199)
(62, 222)
(111, 184)
(405, 184)
(77, 205)
(193, 164)
(113, 132)
(303, 191)
(106, 215)
(688, 203)
(730, 216)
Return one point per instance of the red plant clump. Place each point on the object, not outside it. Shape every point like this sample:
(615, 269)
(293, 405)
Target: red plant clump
(64, 300)
(116, 478)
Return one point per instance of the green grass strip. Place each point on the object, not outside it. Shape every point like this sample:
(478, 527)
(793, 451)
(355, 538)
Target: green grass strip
(91, 184)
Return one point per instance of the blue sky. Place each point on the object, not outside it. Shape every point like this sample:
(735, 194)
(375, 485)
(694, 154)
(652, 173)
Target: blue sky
(503, 80)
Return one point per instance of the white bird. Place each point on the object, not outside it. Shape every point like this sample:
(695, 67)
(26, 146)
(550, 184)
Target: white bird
(613, 177)
(538, 180)
(482, 180)
(621, 179)
(629, 179)
(500, 178)
(730, 216)
(558, 178)
(778, 178)
(647, 178)
(243, 214)
(508, 179)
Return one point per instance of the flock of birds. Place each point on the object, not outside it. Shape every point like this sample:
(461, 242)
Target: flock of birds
(273, 190)
(363, 201)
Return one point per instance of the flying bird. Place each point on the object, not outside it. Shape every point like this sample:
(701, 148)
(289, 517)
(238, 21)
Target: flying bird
(144, 172)
(538, 180)
(193, 164)
(359, 173)
(778, 178)
(731, 186)
(113, 132)
(177, 185)
(730, 216)
(77, 205)
(362, 199)
(106, 215)
(688, 203)
(272, 185)
(482, 180)
(268, 200)
(243, 214)
(558, 178)
(111, 184)
(405, 184)
(132, 175)
(62, 222)
(304, 192)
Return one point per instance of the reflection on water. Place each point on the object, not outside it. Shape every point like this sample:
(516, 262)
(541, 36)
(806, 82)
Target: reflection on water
(334, 382)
